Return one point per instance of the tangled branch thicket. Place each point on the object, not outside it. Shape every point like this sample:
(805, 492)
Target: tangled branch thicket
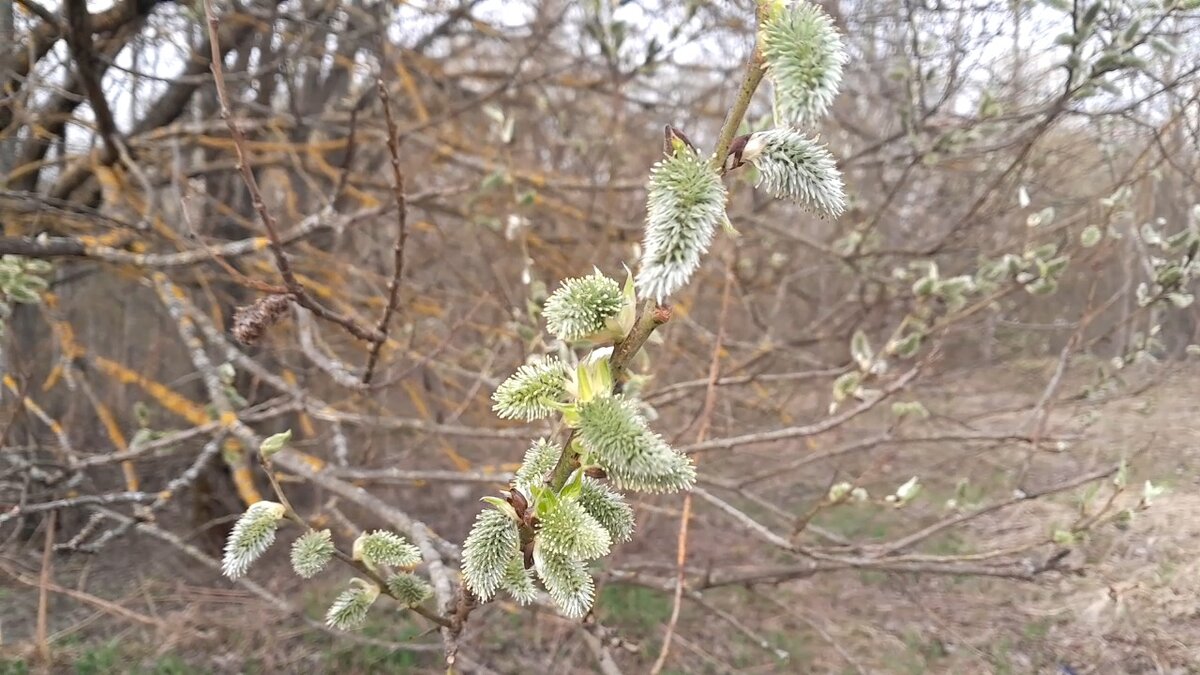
(300, 282)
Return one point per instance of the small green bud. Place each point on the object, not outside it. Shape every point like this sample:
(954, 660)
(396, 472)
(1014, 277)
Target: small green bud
(838, 492)
(274, 443)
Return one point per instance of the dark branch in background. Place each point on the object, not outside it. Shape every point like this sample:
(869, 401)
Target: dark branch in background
(55, 114)
(42, 13)
(69, 247)
(169, 106)
(49, 31)
(42, 247)
(79, 37)
(83, 500)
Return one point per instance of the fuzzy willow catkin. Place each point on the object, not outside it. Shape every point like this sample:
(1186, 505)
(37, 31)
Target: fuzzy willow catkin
(492, 544)
(634, 457)
(793, 166)
(311, 552)
(540, 458)
(349, 610)
(409, 589)
(566, 580)
(684, 206)
(252, 535)
(583, 307)
(568, 529)
(609, 509)
(385, 548)
(804, 55)
(529, 393)
(663, 471)
(518, 581)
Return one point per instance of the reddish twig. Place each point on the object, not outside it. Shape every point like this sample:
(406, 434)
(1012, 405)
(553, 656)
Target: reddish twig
(710, 402)
(393, 144)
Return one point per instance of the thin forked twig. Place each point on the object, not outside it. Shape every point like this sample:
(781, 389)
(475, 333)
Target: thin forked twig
(239, 144)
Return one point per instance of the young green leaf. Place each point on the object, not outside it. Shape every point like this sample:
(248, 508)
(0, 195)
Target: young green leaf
(860, 350)
(909, 409)
(1150, 492)
(273, 444)
(846, 385)
(593, 376)
(905, 493)
(907, 346)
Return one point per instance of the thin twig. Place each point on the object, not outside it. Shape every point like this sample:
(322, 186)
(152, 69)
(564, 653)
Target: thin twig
(812, 623)
(256, 589)
(164, 497)
(43, 645)
(706, 413)
(105, 605)
(809, 429)
(393, 144)
(79, 38)
(82, 500)
(604, 659)
(750, 81)
(927, 532)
